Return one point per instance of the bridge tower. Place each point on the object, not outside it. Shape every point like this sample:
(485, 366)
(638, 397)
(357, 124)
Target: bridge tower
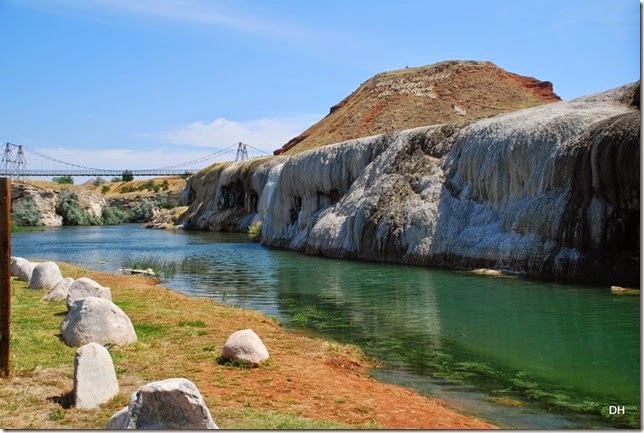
(21, 162)
(242, 152)
(13, 166)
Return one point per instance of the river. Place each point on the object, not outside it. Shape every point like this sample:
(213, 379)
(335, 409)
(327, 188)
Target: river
(521, 353)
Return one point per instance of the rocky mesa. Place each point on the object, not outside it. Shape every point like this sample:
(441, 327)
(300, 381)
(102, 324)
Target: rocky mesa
(549, 191)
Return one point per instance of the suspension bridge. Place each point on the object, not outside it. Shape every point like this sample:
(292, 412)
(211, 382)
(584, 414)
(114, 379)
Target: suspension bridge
(19, 161)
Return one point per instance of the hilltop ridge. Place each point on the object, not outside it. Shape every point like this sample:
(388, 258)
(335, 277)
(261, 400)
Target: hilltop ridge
(444, 92)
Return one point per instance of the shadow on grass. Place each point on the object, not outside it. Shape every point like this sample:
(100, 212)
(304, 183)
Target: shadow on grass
(66, 400)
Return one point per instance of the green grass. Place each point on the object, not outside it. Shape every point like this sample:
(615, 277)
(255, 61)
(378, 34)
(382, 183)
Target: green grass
(35, 329)
(172, 343)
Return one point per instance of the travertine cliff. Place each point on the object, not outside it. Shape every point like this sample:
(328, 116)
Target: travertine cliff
(549, 191)
(45, 201)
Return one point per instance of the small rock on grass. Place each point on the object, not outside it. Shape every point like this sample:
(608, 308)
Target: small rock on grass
(245, 346)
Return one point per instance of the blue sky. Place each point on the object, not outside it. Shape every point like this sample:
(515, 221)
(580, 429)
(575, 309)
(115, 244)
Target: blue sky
(150, 83)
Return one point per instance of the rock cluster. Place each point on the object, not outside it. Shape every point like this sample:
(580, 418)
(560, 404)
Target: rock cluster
(22, 268)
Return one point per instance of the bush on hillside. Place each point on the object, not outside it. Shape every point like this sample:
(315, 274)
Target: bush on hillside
(142, 211)
(112, 215)
(25, 213)
(73, 214)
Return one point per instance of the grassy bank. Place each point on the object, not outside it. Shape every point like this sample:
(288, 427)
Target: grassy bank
(307, 383)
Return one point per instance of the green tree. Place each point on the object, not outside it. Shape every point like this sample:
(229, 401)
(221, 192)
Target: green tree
(127, 176)
(64, 180)
(117, 179)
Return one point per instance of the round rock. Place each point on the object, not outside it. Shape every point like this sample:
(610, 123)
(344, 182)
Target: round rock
(85, 287)
(97, 320)
(59, 292)
(171, 404)
(45, 276)
(245, 346)
(23, 269)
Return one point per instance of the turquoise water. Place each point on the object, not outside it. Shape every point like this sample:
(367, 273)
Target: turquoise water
(562, 353)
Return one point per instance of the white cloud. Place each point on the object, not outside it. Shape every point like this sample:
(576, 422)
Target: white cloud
(266, 134)
(204, 12)
(183, 144)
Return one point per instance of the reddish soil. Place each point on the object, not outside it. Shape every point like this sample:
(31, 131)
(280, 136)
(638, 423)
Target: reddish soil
(408, 98)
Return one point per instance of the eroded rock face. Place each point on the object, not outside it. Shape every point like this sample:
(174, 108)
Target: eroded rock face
(45, 276)
(84, 287)
(44, 200)
(95, 380)
(171, 404)
(245, 346)
(549, 191)
(97, 320)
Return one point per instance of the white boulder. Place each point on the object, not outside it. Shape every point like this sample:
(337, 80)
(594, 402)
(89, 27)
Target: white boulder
(245, 346)
(171, 404)
(16, 263)
(22, 268)
(59, 291)
(97, 320)
(84, 287)
(95, 380)
(45, 276)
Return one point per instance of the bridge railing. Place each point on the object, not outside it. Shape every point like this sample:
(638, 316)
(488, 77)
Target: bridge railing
(106, 173)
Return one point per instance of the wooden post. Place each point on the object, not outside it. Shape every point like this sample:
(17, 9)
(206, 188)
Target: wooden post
(5, 274)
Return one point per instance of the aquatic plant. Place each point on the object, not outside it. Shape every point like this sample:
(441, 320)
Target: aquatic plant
(165, 268)
(255, 229)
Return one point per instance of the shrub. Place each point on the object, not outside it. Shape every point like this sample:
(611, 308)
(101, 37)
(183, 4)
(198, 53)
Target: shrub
(73, 214)
(116, 179)
(64, 180)
(25, 213)
(105, 189)
(161, 200)
(98, 181)
(255, 229)
(142, 211)
(112, 215)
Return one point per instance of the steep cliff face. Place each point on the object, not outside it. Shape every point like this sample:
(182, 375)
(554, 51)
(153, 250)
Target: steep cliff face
(549, 191)
(45, 201)
(226, 197)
